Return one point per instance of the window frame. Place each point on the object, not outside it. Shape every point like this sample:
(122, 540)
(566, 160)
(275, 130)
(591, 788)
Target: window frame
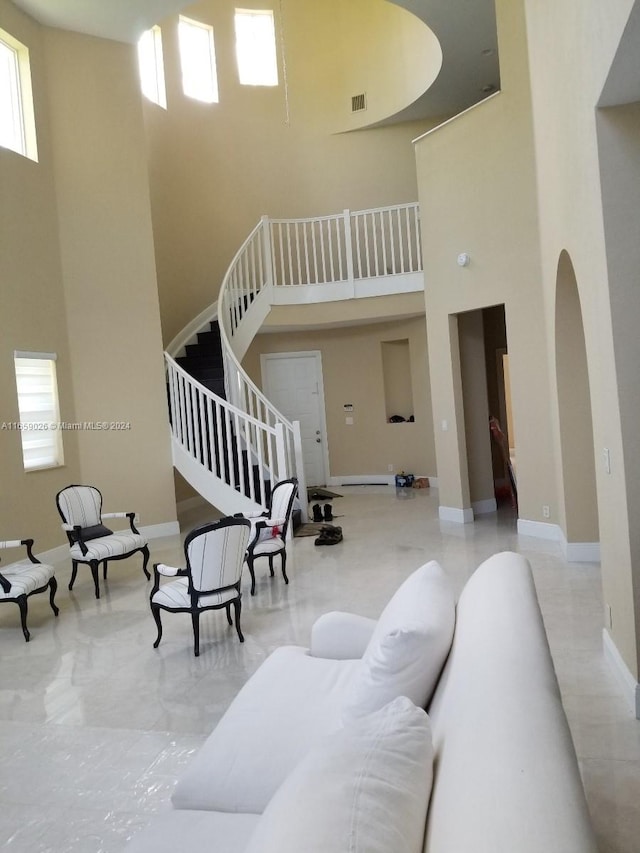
(151, 66)
(207, 92)
(268, 74)
(18, 97)
(34, 437)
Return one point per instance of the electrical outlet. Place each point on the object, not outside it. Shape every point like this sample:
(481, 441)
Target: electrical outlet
(390, 467)
(545, 511)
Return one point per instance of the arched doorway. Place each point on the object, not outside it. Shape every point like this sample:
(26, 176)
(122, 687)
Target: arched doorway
(578, 476)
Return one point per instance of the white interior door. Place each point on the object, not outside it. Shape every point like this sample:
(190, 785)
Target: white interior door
(292, 381)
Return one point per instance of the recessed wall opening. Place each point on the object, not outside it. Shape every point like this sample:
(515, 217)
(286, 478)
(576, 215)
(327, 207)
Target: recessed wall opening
(396, 371)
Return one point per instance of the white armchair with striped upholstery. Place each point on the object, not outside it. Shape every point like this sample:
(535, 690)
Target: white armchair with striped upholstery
(92, 543)
(23, 578)
(211, 580)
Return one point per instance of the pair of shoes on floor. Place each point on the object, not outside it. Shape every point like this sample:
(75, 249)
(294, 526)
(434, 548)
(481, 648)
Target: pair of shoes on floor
(329, 535)
(318, 515)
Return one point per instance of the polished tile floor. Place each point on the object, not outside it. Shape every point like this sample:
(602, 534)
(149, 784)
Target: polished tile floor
(95, 725)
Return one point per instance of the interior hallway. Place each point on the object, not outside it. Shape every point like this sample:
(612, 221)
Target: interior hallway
(95, 724)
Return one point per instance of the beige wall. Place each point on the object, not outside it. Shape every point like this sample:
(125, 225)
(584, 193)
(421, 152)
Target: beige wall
(33, 309)
(476, 183)
(573, 173)
(352, 372)
(215, 169)
(109, 272)
(77, 277)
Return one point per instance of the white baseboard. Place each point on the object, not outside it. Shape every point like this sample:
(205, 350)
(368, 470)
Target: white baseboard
(374, 480)
(540, 529)
(363, 480)
(157, 531)
(453, 513)
(574, 552)
(484, 507)
(582, 552)
(629, 685)
(54, 555)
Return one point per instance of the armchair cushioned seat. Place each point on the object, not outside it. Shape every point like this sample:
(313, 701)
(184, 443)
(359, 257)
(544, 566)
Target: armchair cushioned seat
(23, 578)
(108, 547)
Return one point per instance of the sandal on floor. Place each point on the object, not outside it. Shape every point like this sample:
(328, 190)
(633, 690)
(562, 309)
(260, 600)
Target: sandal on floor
(329, 536)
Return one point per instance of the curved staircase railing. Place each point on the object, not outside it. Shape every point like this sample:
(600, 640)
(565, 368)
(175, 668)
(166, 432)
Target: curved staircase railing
(231, 450)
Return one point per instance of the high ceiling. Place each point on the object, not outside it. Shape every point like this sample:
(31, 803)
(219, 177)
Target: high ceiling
(466, 30)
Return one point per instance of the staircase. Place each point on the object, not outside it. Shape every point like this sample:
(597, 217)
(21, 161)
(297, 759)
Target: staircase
(203, 360)
(228, 441)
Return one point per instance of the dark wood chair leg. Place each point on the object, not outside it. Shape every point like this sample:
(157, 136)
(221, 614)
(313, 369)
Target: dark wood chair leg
(94, 573)
(237, 606)
(156, 615)
(104, 569)
(21, 601)
(271, 564)
(228, 609)
(74, 572)
(252, 573)
(283, 558)
(195, 619)
(145, 552)
(53, 587)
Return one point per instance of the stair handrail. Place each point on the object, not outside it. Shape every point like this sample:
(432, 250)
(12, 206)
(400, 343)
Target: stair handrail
(217, 434)
(247, 276)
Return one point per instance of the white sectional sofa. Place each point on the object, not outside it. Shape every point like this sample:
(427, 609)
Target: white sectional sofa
(328, 749)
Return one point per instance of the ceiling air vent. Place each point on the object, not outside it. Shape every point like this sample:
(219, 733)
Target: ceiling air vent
(358, 103)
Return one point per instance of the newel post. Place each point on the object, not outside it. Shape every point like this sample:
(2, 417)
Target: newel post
(267, 252)
(299, 472)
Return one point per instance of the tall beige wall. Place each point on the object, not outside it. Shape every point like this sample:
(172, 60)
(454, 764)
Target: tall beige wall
(216, 168)
(353, 373)
(77, 278)
(108, 268)
(587, 172)
(476, 180)
(32, 313)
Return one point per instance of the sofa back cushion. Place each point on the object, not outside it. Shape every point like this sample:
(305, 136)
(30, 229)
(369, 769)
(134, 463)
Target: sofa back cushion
(409, 644)
(363, 789)
(507, 778)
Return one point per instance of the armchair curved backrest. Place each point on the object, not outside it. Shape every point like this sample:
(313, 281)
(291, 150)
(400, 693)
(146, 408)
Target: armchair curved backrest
(281, 502)
(80, 506)
(215, 555)
(269, 530)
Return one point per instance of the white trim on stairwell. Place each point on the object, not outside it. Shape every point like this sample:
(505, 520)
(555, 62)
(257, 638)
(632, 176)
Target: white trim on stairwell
(630, 687)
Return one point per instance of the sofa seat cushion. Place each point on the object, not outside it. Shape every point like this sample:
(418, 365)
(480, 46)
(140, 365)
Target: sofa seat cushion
(197, 832)
(507, 778)
(409, 644)
(362, 789)
(289, 703)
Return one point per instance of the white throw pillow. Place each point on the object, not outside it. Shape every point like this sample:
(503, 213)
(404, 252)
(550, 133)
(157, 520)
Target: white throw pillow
(409, 645)
(363, 789)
